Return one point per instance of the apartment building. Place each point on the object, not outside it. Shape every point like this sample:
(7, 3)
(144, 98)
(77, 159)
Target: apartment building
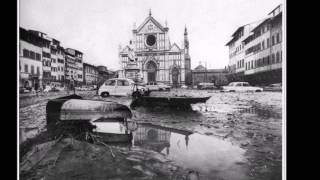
(261, 51)
(90, 74)
(46, 56)
(73, 66)
(57, 63)
(30, 59)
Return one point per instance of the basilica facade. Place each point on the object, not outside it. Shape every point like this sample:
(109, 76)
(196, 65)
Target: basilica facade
(151, 57)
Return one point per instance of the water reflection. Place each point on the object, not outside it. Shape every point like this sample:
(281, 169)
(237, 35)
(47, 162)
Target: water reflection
(207, 154)
(156, 138)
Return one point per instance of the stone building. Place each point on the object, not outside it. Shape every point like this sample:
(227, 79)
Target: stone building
(30, 59)
(90, 74)
(57, 63)
(104, 74)
(259, 60)
(46, 56)
(150, 56)
(217, 76)
(73, 66)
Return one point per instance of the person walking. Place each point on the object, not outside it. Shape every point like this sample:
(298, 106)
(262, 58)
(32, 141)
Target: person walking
(36, 87)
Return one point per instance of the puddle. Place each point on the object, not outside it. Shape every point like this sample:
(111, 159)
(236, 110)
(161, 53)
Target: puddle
(211, 156)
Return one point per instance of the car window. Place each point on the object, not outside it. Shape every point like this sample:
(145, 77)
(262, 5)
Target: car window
(238, 84)
(110, 83)
(123, 83)
(245, 84)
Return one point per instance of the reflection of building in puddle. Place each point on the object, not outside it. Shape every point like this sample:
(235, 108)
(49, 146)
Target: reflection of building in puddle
(155, 137)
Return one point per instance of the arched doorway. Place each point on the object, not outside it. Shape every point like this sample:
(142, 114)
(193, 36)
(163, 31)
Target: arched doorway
(152, 71)
(175, 77)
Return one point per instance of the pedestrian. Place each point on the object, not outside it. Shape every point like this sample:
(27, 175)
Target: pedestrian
(36, 87)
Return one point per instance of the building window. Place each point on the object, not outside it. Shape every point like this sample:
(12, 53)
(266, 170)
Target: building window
(32, 69)
(268, 59)
(25, 53)
(38, 70)
(26, 68)
(252, 64)
(273, 40)
(273, 59)
(38, 57)
(278, 38)
(278, 57)
(248, 65)
(262, 44)
(268, 43)
(32, 55)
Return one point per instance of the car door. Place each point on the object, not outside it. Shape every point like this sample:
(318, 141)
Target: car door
(109, 86)
(238, 87)
(123, 88)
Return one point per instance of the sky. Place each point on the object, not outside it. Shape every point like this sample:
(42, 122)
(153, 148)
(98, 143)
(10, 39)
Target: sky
(98, 27)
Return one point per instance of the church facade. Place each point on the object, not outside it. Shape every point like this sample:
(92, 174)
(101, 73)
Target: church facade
(151, 57)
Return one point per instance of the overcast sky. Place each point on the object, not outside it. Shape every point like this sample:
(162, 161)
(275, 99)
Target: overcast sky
(97, 27)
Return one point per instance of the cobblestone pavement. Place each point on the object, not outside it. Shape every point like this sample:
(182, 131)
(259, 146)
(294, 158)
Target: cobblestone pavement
(250, 122)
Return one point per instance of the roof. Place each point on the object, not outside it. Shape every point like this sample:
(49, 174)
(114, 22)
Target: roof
(175, 47)
(278, 7)
(230, 41)
(199, 67)
(239, 28)
(153, 20)
(260, 24)
(86, 64)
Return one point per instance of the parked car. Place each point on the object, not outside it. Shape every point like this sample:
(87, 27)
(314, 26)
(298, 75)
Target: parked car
(206, 86)
(155, 86)
(273, 87)
(184, 87)
(241, 87)
(118, 87)
(24, 90)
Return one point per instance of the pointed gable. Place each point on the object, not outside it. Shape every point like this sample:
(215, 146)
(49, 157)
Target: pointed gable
(150, 24)
(125, 50)
(175, 48)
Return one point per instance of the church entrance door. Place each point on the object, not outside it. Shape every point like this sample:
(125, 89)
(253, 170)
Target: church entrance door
(152, 71)
(175, 76)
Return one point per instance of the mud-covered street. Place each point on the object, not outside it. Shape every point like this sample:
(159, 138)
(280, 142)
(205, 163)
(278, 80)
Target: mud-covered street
(232, 136)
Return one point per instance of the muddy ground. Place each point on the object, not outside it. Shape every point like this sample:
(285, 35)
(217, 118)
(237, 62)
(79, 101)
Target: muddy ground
(233, 136)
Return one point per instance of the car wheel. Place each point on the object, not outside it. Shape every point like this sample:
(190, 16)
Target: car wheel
(232, 91)
(105, 94)
(160, 89)
(258, 90)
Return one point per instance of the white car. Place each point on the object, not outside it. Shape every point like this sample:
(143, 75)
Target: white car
(118, 87)
(241, 87)
(154, 86)
(184, 87)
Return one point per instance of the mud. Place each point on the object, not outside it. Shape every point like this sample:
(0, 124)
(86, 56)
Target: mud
(233, 136)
